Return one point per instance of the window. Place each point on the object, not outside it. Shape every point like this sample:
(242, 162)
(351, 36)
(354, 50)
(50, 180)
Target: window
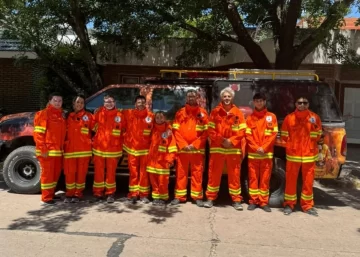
(172, 98)
(124, 98)
(281, 96)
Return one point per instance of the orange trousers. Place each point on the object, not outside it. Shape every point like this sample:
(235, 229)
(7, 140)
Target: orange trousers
(75, 170)
(104, 181)
(259, 181)
(139, 179)
(159, 185)
(196, 164)
(50, 173)
(308, 174)
(216, 166)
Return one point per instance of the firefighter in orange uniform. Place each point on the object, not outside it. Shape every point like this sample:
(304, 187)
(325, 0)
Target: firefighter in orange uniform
(261, 131)
(49, 137)
(77, 150)
(190, 130)
(109, 124)
(301, 131)
(137, 142)
(161, 157)
(226, 129)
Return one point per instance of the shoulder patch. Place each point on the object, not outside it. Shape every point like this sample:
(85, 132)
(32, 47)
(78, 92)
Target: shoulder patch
(268, 118)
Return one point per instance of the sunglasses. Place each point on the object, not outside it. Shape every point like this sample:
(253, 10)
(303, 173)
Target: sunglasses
(302, 103)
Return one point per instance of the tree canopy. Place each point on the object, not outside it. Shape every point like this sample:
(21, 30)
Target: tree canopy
(205, 26)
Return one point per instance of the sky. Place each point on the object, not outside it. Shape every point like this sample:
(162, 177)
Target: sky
(354, 13)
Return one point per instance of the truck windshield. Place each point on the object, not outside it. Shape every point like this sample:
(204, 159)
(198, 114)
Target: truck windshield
(281, 96)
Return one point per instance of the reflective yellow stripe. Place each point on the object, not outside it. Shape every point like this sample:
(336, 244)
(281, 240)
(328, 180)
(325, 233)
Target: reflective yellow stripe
(235, 191)
(84, 131)
(134, 188)
(39, 129)
(80, 186)
(196, 193)
(211, 125)
(135, 152)
(164, 196)
(116, 132)
(268, 132)
(113, 185)
(259, 156)
(306, 159)
(95, 127)
(144, 189)
(77, 154)
(264, 193)
(248, 131)
(176, 126)
(172, 149)
(55, 153)
(48, 185)
(242, 126)
(290, 197)
(284, 133)
(213, 189)
(200, 127)
(162, 149)
(235, 128)
(99, 184)
(155, 196)
(157, 170)
(201, 151)
(107, 154)
(320, 132)
(70, 186)
(253, 191)
(307, 197)
(146, 132)
(276, 129)
(180, 192)
(225, 150)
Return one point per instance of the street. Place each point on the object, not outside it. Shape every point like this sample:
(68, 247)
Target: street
(124, 229)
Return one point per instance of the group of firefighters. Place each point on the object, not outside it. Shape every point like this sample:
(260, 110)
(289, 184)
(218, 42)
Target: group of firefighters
(153, 145)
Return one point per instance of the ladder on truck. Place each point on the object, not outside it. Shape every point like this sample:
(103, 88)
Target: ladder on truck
(243, 74)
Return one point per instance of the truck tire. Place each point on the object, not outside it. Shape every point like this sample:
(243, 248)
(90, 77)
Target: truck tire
(22, 171)
(277, 184)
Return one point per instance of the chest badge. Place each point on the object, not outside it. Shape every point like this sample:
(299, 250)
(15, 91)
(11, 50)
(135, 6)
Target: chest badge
(312, 120)
(85, 118)
(117, 119)
(164, 135)
(268, 118)
(148, 119)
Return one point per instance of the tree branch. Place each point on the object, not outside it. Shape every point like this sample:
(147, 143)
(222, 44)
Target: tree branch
(319, 34)
(244, 38)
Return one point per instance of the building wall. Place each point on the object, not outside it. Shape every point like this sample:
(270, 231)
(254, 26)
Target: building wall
(18, 92)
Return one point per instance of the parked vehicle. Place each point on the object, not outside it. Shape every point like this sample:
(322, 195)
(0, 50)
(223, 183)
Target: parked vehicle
(22, 171)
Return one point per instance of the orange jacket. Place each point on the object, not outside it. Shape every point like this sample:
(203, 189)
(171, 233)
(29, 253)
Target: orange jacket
(162, 149)
(49, 131)
(261, 131)
(226, 125)
(138, 131)
(301, 130)
(108, 139)
(78, 135)
(190, 128)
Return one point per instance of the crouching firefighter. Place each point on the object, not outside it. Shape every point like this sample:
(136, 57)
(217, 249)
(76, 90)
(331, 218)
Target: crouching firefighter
(161, 157)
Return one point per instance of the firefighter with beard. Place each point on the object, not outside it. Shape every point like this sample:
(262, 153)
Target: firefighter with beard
(137, 143)
(190, 130)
